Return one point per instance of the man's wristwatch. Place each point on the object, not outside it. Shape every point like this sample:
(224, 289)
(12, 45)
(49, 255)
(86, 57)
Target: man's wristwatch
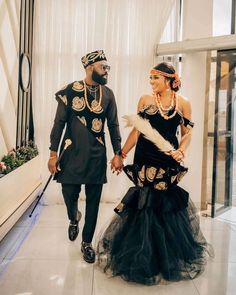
(121, 154)
(118, 153)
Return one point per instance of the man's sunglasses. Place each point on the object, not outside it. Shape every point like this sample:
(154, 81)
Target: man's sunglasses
(106, 68)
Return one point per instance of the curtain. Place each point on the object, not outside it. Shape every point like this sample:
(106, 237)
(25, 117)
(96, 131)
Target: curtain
(65, 30)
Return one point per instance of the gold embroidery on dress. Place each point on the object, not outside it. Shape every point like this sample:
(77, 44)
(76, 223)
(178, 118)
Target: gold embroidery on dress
(161, 186)
(78, 103)
(96, 125)
(63, 98)
(173, 178)
(189, 126)
(140, 183)
(151, 110)
(141, 173)
(143, 108)
(160, 173)
(100, 140)
(77, 86)
(150, 173)
(180, 175)
(130, 173)
(82, 120)
(96, 107)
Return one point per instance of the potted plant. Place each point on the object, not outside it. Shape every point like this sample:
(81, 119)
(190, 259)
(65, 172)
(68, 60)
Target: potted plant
(18, 157)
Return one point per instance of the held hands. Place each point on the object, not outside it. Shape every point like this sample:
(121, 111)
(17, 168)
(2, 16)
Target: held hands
(117, 164)
(52, 165)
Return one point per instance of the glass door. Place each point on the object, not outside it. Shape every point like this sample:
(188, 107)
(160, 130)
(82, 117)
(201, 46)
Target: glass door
(222, 174)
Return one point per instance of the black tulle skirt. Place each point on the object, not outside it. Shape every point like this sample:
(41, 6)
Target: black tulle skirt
(155, 238)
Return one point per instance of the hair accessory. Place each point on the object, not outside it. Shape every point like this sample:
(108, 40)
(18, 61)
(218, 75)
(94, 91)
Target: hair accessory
(176, 83)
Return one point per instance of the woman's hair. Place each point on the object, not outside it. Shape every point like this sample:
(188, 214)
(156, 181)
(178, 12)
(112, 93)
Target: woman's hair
(169, 69)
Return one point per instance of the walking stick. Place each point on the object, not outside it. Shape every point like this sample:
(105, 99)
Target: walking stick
(68, 142)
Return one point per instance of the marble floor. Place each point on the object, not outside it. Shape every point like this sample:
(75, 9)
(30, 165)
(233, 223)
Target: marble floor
(37, 258)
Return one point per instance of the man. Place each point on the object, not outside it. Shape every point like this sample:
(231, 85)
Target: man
(84, 106)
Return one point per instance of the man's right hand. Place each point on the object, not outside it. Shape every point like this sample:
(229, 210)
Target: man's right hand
(52, 165)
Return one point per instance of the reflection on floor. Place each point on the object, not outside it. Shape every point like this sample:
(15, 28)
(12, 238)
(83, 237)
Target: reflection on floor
(37, 258)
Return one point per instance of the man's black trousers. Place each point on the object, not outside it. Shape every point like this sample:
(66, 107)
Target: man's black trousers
(93, 194)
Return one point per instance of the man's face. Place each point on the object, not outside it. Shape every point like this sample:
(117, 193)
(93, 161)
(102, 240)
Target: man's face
(100, 71)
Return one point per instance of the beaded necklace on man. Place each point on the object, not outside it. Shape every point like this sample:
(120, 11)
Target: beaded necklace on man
(95, 105)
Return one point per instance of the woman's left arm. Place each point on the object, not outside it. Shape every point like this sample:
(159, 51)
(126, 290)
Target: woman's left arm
(186, 132)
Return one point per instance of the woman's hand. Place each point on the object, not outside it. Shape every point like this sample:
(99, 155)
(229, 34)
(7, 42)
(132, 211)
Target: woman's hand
(177, 155)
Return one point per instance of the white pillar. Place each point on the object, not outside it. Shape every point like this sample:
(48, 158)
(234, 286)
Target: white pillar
(197, 23)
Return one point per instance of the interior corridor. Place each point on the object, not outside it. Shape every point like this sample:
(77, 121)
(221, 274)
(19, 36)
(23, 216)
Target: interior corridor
(37, 258)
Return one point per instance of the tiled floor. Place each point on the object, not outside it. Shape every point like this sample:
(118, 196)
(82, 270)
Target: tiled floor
(37, 258)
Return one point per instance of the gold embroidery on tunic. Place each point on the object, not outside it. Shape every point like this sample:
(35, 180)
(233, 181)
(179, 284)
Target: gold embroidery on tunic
(96, 125)
(63, 98)
(78, 103)
(96, 107)
(100, 140)
(77, 86)
(82, 120)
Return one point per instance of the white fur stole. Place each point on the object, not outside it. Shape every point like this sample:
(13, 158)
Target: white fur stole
(149, 133)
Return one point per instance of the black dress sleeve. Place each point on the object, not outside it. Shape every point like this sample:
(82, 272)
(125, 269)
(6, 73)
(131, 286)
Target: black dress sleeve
(187, 123)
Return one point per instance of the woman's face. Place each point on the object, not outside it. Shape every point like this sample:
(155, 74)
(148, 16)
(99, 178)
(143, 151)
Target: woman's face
(158, 83)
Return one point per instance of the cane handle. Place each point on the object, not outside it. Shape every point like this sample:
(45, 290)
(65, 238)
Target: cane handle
(68, 142)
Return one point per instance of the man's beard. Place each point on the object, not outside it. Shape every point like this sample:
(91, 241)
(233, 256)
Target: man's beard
(98, 78)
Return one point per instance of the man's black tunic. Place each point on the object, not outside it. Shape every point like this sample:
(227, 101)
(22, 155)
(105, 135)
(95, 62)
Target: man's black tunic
(85, 161)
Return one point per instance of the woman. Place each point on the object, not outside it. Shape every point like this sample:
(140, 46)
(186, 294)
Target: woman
(156, 234)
